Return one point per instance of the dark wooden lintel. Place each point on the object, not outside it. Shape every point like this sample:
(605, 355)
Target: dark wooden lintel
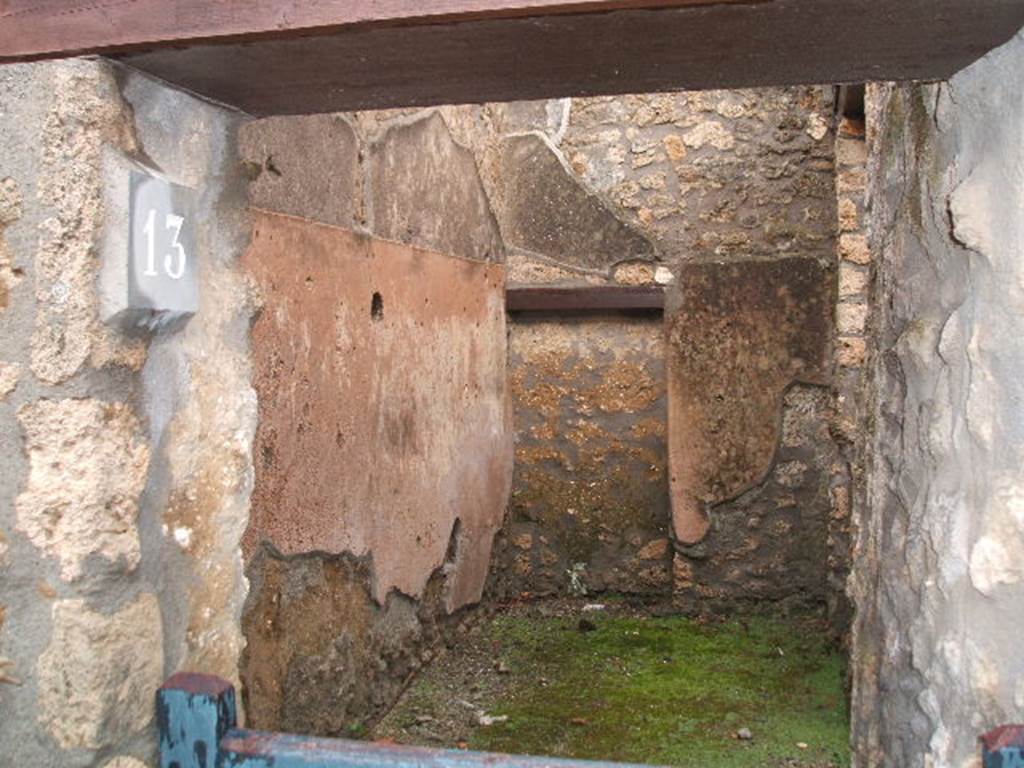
(594, 298)
(277, 57)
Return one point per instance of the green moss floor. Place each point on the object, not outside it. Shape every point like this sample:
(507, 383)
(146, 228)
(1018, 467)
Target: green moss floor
(636, 688)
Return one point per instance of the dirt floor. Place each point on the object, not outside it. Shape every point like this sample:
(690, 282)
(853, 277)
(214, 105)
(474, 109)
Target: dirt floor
(615, 681)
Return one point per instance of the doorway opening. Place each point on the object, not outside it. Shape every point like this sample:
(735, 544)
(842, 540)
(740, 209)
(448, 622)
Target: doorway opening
(583, 461)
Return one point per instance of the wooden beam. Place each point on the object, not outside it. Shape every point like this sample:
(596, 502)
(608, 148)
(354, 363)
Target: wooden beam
(594, 298)
(44, 28)
(269, 57)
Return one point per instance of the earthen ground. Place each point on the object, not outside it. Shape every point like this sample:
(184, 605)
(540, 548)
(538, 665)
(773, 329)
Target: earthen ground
(631, 682)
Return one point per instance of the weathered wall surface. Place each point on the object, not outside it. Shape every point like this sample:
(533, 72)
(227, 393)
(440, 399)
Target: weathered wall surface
(750, 491)
(384, 452)
(383, 426)
(939, 574)
(107, 584)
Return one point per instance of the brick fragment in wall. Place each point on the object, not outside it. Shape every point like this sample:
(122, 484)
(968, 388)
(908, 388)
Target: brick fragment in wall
(98, 676)
(851, 128)
(425, 190)
(739, 334)
(87, 468)
(305, 166)
(543, 208)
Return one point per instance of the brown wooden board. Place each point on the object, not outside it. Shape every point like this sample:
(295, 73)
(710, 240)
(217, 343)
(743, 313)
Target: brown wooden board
(584, 299)
(287, 58)
(32, 28)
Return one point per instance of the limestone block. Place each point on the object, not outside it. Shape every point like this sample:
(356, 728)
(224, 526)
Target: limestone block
(426, 190)
(87, 468)
(710, 132)
(543, 208)
(10, 202)
(306, 166)
(851, 318)
(855, 248)
(87, 118)
(853, 280)
(849, 216)
(98, 676)
(10, 211)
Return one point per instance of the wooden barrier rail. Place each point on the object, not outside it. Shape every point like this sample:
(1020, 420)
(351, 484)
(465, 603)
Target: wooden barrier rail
(197, 715)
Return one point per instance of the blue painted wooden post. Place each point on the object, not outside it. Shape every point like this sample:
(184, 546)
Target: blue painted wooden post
(196, 716)
(1003, 747)
(194, 712)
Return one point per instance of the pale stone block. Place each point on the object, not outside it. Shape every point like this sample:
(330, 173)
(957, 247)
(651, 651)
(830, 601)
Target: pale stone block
(817, 127)
(87, 467)
(853, 279)
(98, 677)
(849, 216)
(855, 248)
(710, 132)
(851, 319)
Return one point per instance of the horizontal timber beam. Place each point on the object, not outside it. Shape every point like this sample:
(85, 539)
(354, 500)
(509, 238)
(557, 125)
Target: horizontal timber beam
(593, 298)
(268, 57)
(44, 28)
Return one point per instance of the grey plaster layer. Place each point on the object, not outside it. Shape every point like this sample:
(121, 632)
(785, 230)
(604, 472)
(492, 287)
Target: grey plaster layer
(939, 571)
(278, 152)
(197, 398)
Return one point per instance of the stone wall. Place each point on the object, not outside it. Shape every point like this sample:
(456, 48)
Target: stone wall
(124, 484)
(700, 192)
(938, 571)
(589, 507)
(939, 574)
